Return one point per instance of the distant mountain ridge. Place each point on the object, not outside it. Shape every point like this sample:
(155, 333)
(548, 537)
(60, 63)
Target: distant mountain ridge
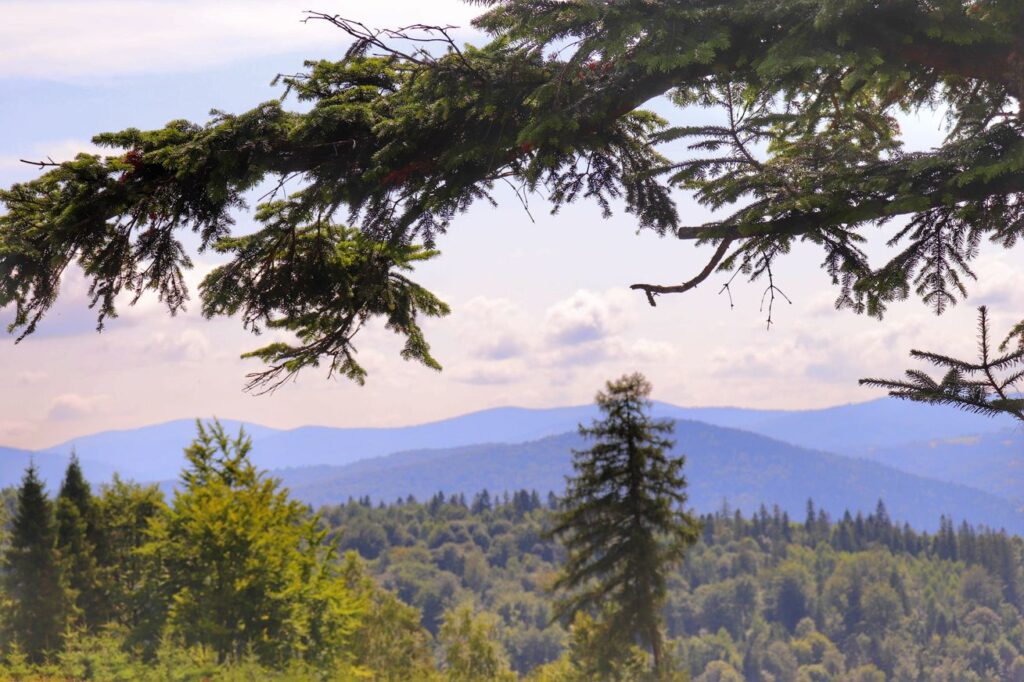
(155, 452)
(936, 443)
(50, 467)
(742, 468)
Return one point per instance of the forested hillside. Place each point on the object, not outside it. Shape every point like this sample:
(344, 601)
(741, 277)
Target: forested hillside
(765, 597)
(724, 464)
(232, 577)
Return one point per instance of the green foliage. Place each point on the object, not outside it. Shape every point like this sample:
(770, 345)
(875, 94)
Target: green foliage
(991, 385)
(623, 519)
(33, 580)
(77, 540)
(941, 605)
(247, 570)
(390, 641)
(235, 581)
(470, 652)
(133, 598)
(399, 139)
(322, 282)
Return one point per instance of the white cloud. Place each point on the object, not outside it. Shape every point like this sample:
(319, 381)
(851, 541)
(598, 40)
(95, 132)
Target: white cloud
(13, 431)
(1000, 284)
(65, 39)
(493, 328)
(74, 406)
(190, 345)
(503, 344)
(584, 317)
(491, 373)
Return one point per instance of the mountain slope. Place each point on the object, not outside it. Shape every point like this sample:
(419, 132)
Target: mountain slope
(991, 462)
(155, 452)
(49, 465)
(860, 428)
(149, 453)
(743, 468)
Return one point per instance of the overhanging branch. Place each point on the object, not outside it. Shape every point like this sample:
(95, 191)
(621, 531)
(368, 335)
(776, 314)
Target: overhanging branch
(653, 290)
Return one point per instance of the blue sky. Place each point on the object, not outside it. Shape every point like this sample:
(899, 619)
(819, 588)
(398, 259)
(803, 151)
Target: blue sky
(542, 310)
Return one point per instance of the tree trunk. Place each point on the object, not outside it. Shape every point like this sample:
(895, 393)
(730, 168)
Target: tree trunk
(656, 651)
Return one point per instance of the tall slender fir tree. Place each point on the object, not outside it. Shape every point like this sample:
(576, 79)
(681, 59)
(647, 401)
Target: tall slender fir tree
(623, 519)
(33, 579)
(77, 540)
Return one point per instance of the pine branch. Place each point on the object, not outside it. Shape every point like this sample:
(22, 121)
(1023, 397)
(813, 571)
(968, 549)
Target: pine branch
(990, 394)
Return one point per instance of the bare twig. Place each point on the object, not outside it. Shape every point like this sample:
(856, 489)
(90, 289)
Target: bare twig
(770, 291)
(653, 290)
(49, 163)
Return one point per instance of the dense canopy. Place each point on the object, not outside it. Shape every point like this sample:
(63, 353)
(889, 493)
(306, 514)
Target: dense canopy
(409, 129)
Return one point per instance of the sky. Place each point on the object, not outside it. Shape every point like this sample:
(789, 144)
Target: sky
(542, 311)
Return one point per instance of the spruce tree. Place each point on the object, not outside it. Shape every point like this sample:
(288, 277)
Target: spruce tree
(77, 540)
(622, 520)
(33, 578)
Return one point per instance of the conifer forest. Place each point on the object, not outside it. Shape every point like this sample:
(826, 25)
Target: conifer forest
(230, 579)
(774, 149)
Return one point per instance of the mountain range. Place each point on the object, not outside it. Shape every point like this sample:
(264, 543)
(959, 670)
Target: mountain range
(937, 460)
(723, 466)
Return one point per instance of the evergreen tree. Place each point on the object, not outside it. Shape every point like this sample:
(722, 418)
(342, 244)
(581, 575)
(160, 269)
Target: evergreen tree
(623, 520)
(481, 502)
(125, 511)
(77, 540)
(810, 520)
(242, 568)
(33, 580)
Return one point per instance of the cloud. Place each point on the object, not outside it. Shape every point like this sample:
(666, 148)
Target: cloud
(491, 373)
(13, 431)
(67, 39)
(584, 317)
(190, 345)
(494, 328)
(503, 344)
(1000, 284)
(74, 406)
(72, 316)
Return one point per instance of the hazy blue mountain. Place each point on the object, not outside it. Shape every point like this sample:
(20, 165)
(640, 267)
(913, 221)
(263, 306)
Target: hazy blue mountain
(859, 428)
(155, 452)
(149, 453)
(991, 462)
(722, 464)
(50, 466)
